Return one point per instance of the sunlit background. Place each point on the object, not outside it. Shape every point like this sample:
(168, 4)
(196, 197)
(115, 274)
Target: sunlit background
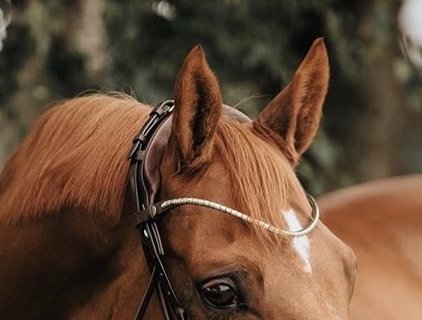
(372, 125)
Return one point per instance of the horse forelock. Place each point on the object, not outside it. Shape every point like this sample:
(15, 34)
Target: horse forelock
(264, 184)
(75, 156)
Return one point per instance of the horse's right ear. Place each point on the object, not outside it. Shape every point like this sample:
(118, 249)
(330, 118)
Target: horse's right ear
(198, 105)
(292, 117)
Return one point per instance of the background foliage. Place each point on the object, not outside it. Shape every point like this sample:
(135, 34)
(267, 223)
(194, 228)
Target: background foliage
(372, 125)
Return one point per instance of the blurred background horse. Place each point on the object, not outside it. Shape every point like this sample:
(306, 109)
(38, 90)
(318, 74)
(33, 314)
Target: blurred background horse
(382, 221)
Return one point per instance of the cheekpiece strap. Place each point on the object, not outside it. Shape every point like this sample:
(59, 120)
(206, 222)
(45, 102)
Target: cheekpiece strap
(148, 230)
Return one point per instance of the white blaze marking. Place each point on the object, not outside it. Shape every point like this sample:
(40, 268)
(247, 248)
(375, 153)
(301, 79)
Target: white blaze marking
(301, 244)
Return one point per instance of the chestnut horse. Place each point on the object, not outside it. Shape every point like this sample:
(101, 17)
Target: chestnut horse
(382, 222)
(69, 248)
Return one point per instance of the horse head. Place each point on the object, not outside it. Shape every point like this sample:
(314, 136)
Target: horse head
(251, 247)
(222, 266)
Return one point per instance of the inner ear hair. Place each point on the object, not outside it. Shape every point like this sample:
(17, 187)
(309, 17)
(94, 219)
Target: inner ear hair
(198, 106)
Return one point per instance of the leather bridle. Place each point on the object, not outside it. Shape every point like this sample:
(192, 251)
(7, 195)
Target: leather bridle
(145, 180)
(146, 224)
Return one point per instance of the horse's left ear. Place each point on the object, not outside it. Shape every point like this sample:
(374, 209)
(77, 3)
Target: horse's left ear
(293, 116)
(198, 105)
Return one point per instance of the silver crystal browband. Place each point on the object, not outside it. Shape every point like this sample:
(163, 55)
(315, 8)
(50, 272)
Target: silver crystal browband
(162, 207)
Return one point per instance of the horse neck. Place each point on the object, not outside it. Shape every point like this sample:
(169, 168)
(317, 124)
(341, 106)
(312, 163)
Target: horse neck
(71, 265)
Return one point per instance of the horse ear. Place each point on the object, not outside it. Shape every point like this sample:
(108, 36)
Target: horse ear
(293, 116)
(198, 105)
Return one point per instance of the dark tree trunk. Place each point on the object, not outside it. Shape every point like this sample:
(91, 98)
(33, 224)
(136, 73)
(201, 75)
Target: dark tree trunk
(380, 126)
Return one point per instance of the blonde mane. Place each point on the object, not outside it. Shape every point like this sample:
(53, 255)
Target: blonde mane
(75, 156)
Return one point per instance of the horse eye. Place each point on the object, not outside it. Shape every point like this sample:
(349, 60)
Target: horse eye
(221, 294)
